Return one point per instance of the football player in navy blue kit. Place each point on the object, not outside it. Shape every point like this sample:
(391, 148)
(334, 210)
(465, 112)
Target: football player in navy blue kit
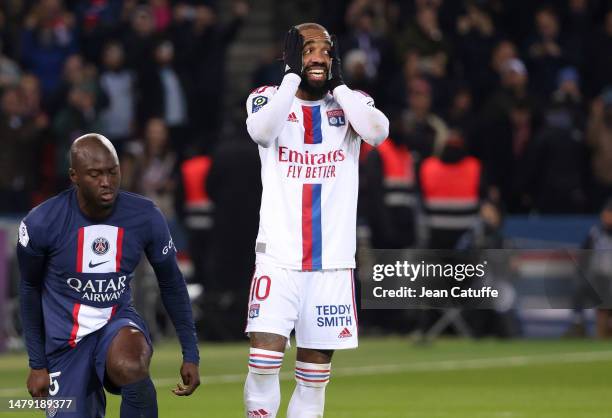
(77, 254)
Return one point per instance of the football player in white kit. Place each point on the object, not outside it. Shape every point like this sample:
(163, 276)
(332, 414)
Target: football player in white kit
(308, 130)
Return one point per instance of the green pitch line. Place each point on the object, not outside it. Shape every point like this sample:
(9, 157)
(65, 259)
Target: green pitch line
(392, 378)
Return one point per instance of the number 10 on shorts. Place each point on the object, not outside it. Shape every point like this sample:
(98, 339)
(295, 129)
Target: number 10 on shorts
(260, 288)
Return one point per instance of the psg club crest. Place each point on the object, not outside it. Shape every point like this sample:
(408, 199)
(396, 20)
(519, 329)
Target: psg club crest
(254, 310)
(100, 246)
(335, 117)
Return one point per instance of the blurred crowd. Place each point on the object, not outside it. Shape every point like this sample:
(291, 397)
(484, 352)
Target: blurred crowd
(147, 74)
(495, 107)
(525, 85)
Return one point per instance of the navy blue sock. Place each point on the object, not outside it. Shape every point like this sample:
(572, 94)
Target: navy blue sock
(139, 400)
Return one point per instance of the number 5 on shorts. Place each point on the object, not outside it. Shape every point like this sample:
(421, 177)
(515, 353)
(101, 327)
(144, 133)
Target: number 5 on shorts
(260, 288)
(53, 383)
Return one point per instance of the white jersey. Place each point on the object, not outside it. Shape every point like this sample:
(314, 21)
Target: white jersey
(310, 183)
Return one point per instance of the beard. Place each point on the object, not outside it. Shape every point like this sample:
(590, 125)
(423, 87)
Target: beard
(317, 90)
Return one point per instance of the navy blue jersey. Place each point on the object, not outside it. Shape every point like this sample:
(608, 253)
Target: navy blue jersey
(89, 265)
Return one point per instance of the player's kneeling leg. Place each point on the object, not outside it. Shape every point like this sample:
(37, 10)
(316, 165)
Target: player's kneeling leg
(308, 400)
(262, 387)
(127, 367)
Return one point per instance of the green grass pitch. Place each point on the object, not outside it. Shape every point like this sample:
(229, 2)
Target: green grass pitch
(390, 377)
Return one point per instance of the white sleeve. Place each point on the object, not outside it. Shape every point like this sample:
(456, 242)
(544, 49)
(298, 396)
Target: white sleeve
(370, 123)
(268, 110)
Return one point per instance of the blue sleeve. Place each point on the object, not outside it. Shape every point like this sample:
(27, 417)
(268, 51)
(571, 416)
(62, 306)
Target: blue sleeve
(162, 256)
(31, 258)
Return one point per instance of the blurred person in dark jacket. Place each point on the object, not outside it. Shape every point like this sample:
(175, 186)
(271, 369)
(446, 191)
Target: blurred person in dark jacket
(425, 131)
(78, 116)
(355, 63)
(139, 37)
(97, 20)
(204, 42)
(477, 37)
(48, 38)
(593, 285)
(166, 93)
(19, 159)
(269, 72)
(362, 36)
(234, 185)
(390, 182)
(552, 172)
(546, 52)
(598, 71)
(599, 140)
(484, 235)
(118, 83)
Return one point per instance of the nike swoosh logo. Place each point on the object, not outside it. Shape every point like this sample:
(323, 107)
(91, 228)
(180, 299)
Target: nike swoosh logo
(92, 265)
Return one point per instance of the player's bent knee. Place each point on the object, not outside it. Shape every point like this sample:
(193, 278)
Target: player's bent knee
(128, 357)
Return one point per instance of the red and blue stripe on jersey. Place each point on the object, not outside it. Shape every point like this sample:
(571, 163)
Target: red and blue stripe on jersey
(311, 197)
(311, 227)
(312, 124)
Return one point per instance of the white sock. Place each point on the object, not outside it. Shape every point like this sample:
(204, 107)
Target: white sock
(308, 400)
(262, 388)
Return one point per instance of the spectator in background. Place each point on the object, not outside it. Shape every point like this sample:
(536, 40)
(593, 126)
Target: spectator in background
(391, 201)
(503, 52)
(140, 39)
(598, 270)
(204, 42)
(97, 20)
(599, 140)
(269, 72)
(576, 25)
(425, 131)
(78, 117)
(426, 36)
(75, 72)
(149, 167)
(162, 14)
(45, 153)
(460, 114)
(598, 70)
(355, 72)
(502, 143)
(476, 38)
(20, 141)
(48, 38)
(362, 37)
(9, 70)
(546, 52)
(395, 93)
(165, 93)
(552, 171)
(451, 186)
(234, 186)
(118, 84)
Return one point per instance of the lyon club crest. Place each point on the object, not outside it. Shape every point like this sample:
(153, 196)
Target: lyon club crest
(335, 117)
(100, 246)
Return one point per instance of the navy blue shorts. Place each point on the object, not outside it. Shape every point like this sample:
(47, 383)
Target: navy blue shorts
(79, 372)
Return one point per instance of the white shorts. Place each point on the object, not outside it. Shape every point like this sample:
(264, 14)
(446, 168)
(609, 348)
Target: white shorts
(319, 305)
